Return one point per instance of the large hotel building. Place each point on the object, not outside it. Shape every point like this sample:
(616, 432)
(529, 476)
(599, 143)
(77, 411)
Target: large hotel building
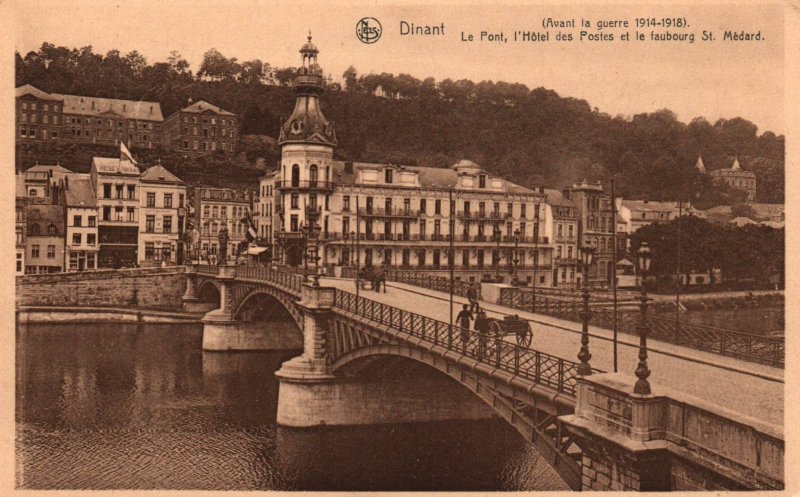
(394, 215)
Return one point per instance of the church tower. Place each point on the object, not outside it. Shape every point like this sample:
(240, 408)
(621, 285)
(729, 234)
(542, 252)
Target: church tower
(307, 140)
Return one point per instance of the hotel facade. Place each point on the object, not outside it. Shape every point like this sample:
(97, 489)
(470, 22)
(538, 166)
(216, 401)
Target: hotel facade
(318, 211)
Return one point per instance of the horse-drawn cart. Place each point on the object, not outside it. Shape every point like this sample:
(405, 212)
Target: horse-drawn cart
(494, 329)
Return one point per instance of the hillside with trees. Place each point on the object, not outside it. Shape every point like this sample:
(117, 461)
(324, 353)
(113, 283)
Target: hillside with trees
(534, 135)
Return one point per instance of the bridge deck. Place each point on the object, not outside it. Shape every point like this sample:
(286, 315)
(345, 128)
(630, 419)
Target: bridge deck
(751, 389)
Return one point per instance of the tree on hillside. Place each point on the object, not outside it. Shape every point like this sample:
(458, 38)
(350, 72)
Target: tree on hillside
(217, 67)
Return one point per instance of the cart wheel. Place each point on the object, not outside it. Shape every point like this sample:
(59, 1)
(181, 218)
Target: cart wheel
(524, 334)
(496, 330)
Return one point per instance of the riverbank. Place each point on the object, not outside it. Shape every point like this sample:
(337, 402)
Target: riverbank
(74, 314)
(721, 301)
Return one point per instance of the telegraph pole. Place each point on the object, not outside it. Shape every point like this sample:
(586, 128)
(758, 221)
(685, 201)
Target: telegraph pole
(614, 256)
(452, 254)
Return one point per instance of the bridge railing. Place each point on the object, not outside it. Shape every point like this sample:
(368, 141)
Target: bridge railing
(539, 367)
(432, 282)
(207, 269)
(746, 346)
(291, 281)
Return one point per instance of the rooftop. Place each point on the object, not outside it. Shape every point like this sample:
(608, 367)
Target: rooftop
(111, 107)
(44, 215)
(78, 190)
(555, 197)
(36, 92)
(159, 174)
(202, 106)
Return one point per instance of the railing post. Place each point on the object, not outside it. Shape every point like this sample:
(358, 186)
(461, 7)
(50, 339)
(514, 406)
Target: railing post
(450, 337)
(516, 359)
(497, 344)
(538, 371)
(561, 375)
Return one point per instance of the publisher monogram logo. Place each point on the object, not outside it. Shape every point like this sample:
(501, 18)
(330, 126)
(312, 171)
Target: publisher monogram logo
(368, 30)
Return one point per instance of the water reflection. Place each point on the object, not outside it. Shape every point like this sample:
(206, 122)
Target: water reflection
(127, 406)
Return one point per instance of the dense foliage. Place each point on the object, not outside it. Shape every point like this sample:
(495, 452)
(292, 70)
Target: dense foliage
(533, 136)
(747, 252)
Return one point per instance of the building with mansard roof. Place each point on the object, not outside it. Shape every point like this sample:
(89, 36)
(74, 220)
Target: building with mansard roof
(737, 178)
(314, 210)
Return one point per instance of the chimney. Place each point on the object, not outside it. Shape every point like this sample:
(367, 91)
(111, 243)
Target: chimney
(151, 109)
(348, 167)
(92, 104)
(124, 107)
(66, 182)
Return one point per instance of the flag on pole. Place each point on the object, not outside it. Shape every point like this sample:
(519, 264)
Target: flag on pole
(125, 154)
(251, 234)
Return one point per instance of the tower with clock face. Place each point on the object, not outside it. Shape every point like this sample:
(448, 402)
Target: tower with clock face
(307, 140)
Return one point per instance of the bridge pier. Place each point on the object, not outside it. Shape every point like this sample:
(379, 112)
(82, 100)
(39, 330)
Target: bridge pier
(668, 441)
(310, 394)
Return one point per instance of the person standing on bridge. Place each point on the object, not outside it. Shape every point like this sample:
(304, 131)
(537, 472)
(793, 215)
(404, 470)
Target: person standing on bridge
(472, 296)
(464, 317)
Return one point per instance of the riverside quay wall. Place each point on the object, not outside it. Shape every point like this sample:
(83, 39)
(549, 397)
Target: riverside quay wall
(148, 288)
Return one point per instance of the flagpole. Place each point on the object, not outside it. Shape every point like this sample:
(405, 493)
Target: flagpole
(358, 247)
(452, 254)
(614, 266)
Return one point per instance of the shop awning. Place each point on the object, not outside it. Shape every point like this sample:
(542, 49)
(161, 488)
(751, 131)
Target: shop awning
(255, 250)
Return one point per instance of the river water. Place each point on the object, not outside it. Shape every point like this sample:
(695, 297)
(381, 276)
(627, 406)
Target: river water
(757, 321)
(118, 406)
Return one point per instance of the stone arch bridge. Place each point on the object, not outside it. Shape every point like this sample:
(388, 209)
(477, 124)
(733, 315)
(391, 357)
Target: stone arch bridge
(594, 431)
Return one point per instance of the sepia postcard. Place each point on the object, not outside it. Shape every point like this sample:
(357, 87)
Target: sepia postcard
(275, 247)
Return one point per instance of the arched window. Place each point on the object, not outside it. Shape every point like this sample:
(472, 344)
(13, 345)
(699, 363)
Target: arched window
(312, 175)
(295, 175)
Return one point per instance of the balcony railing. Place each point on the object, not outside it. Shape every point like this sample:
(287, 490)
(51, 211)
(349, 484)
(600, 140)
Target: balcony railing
(483, 215)
(376, 212)
(305, 185)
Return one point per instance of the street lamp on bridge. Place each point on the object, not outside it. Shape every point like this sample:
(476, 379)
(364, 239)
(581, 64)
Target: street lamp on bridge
(587, 258)
(515, 260)
(642, 371)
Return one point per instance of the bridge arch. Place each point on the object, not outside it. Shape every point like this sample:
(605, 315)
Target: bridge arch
(542, 429)
(209, 292)
(270, 300)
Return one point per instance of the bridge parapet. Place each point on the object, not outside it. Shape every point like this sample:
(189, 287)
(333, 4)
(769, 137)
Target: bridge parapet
(669, 441)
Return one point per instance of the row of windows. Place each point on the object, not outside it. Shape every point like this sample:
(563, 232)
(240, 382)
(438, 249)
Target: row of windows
(44, 107)
(167, 203)
(565, 251)
(91, 239)
(78, 261)
(150, 224)
(35, 229)
(214, 211)
(196, 145)
(151, 254)
(213, 228)
(213, 121)
(32, 133)
(570, 230)
(119, 214)
(119, 191)
(437, 206)
(51, 251)
(437, 258)
(110, 123)
(32, 118)
(142, 137)
(77, 221)
(212, 133)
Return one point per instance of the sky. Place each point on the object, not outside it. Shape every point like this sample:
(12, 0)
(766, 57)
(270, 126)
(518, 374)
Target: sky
(719, 79)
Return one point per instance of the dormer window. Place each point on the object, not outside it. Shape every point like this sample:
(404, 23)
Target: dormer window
(482, 181)
(388, 175)
(51, 229)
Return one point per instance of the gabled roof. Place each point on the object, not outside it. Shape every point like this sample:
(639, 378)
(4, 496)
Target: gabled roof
(159, 174)
(129, 109)
(41, 167)
(36, 92)
(202, 106)
(78, 191)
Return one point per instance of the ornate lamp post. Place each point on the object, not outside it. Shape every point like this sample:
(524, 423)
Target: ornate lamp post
(642, 372)
(587, 257)
(497, 235)
(515, 260)
(223, 246)
(352, 248)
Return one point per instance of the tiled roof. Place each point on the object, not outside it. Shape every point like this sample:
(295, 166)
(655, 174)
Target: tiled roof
(42, 167)
(642, 206)
(129, 109)
(202, 106)
(36, 92)
(45, 215)
(555, 197)
(108, 165)
(158, 174)
(79, 191)
(429, 177)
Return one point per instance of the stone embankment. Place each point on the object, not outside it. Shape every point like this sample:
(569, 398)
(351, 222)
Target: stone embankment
(143, 288)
